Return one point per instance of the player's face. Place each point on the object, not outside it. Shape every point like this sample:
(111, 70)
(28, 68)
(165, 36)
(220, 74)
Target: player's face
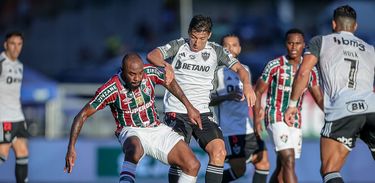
(133, 74)
(233, 45)
(295, 45)
(198, 40)
(13, 47)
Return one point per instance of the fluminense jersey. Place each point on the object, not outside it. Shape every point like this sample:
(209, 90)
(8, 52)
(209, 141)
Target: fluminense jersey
(233, 116)
(347, 66)
(11, 73)
(279, 75)
(194, 72)
(131, 108)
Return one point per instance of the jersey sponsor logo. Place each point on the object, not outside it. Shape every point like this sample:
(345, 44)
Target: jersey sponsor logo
(192, 56)
(284, 76)
(181, 55)
(284, 88)
(105, 93)
(126, 101)
(356, 106)
(346, 141)
(205, 55)
(349, 42)
(192, 67)
(141, 108)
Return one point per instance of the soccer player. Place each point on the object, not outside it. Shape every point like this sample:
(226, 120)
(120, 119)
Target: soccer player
(131, 97)
(347, 66)
(241, 143)
(194, 61)
(277, 78)
(13, 129)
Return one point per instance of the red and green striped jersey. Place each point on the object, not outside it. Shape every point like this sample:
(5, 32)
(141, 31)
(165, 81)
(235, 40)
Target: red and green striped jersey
(279, 75)
(131, 108)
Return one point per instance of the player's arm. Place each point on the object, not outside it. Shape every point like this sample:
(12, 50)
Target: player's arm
(299, 85)
(156, 57)
(217, 99)
(245, 79)
(260, 88)
(193, 113)
(317, 95)
(78, 122)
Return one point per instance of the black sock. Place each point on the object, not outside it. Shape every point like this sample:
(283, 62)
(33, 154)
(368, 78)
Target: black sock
(333, 177)
(21, 169)
(260, 176)
(174, 174)
(214, 173)
(229, 175)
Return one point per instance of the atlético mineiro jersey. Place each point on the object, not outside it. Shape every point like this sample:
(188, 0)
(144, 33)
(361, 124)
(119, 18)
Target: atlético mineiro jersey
(194, 72)
(131, 108)
(347, 66)
(279, 74)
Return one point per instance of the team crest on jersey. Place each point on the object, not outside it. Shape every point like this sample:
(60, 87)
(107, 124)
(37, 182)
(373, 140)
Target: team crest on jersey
(192, 56)
(127, 101)
(205, 55)
(236, 149)
(284, 138)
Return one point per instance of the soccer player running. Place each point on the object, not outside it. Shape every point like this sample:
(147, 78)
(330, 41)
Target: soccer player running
(241, 143)
(131, 97)
(13, 129)
(347, 66)
(277, 78)
(194, 61)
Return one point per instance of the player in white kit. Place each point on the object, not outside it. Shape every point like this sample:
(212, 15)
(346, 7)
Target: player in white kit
(347, 65)
(194, 61)
(13, 130)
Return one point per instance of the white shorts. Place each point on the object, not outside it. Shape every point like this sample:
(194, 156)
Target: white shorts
(285, 137)
(157, 142)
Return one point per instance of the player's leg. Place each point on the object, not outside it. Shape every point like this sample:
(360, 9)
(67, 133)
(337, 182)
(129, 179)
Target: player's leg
(285, 146)
(5, 140)
(337, 139)
(20, 146)
(210, 138)
(260, 160)
(235, 147)
(182, 156)
(133, 150)
(367, 133)
(276, 176)
(177, 122)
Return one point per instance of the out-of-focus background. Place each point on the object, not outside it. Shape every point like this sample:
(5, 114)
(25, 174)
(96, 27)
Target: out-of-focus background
(71, 47)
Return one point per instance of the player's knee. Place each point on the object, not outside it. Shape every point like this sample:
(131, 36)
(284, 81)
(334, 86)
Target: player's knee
(3, 159)
(192, 166)
(218, 154)
(133, 150)
(288, 161)
(263, 164)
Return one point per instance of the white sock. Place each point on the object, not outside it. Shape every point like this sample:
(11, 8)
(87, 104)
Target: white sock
(127, 174)
(185, 178)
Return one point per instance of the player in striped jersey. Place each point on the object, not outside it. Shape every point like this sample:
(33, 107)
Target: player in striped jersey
(277, 77)
(194, 62)
(242, 144)
(131, 97)
(347, 66)
(13, 129)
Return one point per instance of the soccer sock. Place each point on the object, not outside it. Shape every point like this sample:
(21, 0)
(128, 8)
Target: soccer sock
(333, 177)
(174, 174)
(21, 169)
(229, 175)
(260, 176)
(214, 173)
(127, 174)
(185, 178)
(2, 159)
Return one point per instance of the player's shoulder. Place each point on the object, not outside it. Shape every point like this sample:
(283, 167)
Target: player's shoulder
(275, 62)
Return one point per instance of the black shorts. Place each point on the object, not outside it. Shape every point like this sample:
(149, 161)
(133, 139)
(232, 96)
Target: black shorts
(11, 130)
(181, 124)
(346, 130)
(243, 146)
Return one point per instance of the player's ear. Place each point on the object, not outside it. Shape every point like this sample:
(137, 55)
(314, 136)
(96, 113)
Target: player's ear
(355, 27)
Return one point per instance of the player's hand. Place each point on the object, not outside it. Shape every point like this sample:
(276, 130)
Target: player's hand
(249, 94)
(289, 115)
(195, 117)
(169, 73)
(69, 160)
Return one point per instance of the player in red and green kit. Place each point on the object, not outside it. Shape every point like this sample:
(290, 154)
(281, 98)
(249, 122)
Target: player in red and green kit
(278, 77)
(131, 96)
